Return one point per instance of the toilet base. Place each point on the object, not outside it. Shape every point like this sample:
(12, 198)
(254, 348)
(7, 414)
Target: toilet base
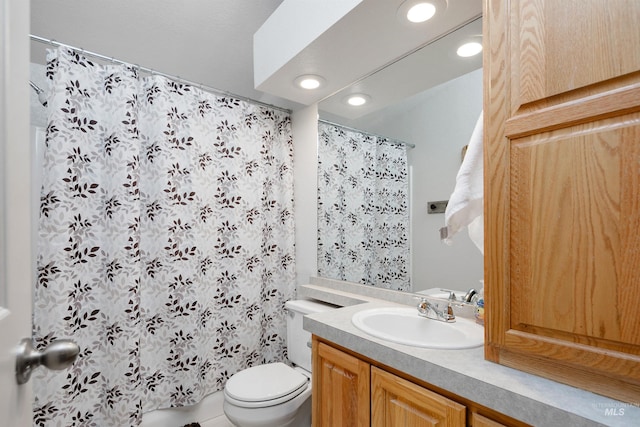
(294, 413)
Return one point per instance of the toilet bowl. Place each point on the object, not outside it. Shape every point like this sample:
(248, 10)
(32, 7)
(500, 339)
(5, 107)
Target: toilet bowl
(275, 394)
(268, 395)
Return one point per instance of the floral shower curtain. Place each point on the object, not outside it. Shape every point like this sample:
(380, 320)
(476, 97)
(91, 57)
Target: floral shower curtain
(363, 208)
(166, 241)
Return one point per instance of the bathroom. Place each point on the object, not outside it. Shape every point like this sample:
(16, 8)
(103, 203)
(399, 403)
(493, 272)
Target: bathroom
(303, 130)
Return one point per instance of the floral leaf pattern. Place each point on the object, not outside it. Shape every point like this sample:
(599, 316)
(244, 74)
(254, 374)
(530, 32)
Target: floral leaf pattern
(363, 208)
(166, 243)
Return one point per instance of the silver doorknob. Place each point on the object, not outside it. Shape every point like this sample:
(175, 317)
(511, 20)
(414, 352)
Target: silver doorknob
(58, 355)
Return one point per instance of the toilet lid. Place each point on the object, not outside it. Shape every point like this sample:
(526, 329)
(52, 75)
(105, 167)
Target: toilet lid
(265, 382)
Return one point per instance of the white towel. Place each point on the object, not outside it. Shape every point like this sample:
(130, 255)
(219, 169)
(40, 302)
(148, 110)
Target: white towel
(465, 207)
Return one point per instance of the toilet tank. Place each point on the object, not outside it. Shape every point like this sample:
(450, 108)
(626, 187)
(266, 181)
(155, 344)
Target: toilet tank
(299, 340)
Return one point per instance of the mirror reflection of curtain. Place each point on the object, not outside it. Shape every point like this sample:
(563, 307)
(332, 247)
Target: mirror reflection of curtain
(166, 241)
(363, 208)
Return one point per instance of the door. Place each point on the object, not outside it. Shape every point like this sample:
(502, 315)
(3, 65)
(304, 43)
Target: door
(340, 388)
(396, 402)
(478, 420)
(15, 217)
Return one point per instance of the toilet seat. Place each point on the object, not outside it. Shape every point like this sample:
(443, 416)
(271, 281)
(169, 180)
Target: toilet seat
(265, 385)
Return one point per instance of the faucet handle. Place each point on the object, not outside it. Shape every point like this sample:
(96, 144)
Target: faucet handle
(450, 317)
(420, 299)
(423, 305)
(452, 295)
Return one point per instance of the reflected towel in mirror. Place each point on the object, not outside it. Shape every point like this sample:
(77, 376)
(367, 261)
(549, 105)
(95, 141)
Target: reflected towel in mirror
(465, 208)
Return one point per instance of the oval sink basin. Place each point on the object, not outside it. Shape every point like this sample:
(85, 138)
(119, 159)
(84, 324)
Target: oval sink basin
(403, 325)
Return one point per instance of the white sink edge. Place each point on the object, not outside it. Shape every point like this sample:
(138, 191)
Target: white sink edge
(358, 321)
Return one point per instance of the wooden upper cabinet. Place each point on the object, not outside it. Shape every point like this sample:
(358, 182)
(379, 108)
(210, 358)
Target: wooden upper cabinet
(397, 402)
(562, 190)
(341, 388)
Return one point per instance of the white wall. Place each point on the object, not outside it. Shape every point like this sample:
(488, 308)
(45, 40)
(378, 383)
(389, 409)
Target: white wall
(304, 126)
(439, 122)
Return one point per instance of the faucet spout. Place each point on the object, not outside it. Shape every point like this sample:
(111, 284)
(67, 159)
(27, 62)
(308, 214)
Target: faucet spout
(469, 295)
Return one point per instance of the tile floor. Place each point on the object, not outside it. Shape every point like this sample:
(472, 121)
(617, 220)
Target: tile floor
(220, 421)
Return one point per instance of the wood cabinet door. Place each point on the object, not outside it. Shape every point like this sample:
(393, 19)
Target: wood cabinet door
(478, 420)
(562, 190)
(396, 402)
(341, 388)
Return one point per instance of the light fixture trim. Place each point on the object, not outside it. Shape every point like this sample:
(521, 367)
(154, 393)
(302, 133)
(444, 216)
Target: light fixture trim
(412, 12)
(309, 81)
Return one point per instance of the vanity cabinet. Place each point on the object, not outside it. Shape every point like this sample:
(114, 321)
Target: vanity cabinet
(349, 390)
(562, 191)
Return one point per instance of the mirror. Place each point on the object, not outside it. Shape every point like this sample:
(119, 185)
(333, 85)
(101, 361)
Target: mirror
(432, 99)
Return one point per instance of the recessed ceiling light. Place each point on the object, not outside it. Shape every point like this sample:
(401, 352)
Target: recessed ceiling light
(470, 48)
(421, 12)
(357, 99)
(417, 11)
(309, 81)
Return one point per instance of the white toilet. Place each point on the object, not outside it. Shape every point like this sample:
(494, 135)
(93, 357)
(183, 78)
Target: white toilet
(274, 394)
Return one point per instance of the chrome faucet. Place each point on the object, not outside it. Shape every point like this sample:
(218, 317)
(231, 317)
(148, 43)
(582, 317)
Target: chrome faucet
(431, 311)
(469, 296)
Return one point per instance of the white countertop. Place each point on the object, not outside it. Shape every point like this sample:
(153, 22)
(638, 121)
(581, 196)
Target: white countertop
(529, 398)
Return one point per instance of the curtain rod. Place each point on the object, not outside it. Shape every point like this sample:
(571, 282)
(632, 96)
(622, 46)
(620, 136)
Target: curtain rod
(390, 140)
(151, 71)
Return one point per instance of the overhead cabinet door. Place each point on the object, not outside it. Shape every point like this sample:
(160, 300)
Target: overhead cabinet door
(562, 120)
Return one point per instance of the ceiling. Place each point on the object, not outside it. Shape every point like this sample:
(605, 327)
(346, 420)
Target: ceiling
(210, 42)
